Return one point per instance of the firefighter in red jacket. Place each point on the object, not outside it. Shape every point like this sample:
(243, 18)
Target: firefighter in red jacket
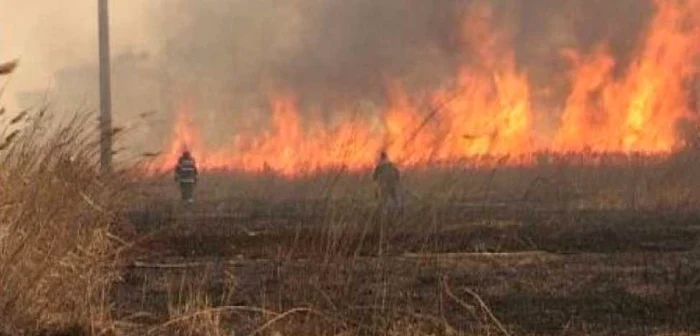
(186, 175)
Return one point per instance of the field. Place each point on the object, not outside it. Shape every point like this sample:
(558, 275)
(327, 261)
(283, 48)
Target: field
(575, 250)
(549, 156)
(563, 247)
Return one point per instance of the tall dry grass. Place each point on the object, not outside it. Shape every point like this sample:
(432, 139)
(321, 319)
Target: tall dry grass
(57, 254)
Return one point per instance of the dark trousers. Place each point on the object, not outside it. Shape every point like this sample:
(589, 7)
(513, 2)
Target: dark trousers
(388, 196)
(187, 191)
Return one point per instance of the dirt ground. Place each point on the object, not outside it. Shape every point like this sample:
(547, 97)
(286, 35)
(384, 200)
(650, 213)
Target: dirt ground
(444, 269)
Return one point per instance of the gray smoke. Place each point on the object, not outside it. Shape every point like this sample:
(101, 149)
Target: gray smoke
(323, 50)
(224, 57)
(329, 50)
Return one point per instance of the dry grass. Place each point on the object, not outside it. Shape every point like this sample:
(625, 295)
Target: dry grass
(319, 244)
(57, 255)
(563, 181)
(318, 259)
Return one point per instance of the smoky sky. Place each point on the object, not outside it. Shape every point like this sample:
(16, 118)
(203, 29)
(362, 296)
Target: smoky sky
(320, 49)
(330, 50)
(352, 48)
(225, 57)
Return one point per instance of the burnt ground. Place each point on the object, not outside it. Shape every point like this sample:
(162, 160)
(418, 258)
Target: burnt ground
(538, 271)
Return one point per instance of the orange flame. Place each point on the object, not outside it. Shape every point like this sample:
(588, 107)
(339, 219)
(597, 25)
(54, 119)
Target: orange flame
(290, 148)
(486, 116)
(185, 137)
(487, 113)
(638, 112)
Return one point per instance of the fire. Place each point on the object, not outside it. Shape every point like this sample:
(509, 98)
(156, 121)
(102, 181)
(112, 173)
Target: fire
(185, 136)
(639, 111)
(486, 115)
(290, 148)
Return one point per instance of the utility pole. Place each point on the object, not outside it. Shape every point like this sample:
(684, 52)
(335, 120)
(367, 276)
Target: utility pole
(105, 89)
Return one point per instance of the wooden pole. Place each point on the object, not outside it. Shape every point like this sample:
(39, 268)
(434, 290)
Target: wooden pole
(105, 89)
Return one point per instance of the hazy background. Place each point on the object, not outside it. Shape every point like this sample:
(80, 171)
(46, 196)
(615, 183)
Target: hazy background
(56, 42)
(51, 35)
(226, 57)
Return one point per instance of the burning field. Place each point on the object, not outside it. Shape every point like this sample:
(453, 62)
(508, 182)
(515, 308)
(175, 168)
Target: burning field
(527, 211)
(485, 113)
(549, 183)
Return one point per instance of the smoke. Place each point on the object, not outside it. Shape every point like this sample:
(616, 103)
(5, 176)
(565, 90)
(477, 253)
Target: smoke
(546, 27)
(230, 56)
(56, 43)
(49, 36)
(225, 57)
(345, 50)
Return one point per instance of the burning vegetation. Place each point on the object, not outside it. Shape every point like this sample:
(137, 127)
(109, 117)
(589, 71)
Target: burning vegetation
(485, 115)
(593, 247)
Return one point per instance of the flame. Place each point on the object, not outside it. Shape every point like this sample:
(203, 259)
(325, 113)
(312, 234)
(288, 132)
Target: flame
(639, 111)
(485, 116)
(486, 113)
(185, 137)
(290, 148)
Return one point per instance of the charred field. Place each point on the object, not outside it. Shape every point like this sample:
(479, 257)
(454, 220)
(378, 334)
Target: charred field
(548, 155)
(545, 250)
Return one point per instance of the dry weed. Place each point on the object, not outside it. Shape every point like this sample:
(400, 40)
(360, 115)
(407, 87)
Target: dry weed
(57, 255)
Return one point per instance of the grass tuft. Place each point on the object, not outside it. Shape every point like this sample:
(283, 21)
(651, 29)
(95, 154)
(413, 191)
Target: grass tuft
(57, 255)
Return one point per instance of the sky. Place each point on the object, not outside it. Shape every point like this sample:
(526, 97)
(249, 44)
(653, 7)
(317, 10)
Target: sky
(47, 35)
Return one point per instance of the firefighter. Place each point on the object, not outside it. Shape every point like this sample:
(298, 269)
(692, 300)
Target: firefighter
(186, 175)
(387, 178)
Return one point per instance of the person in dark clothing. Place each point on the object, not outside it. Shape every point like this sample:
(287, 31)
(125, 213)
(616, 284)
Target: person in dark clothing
(186, 175)
(387, 178)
